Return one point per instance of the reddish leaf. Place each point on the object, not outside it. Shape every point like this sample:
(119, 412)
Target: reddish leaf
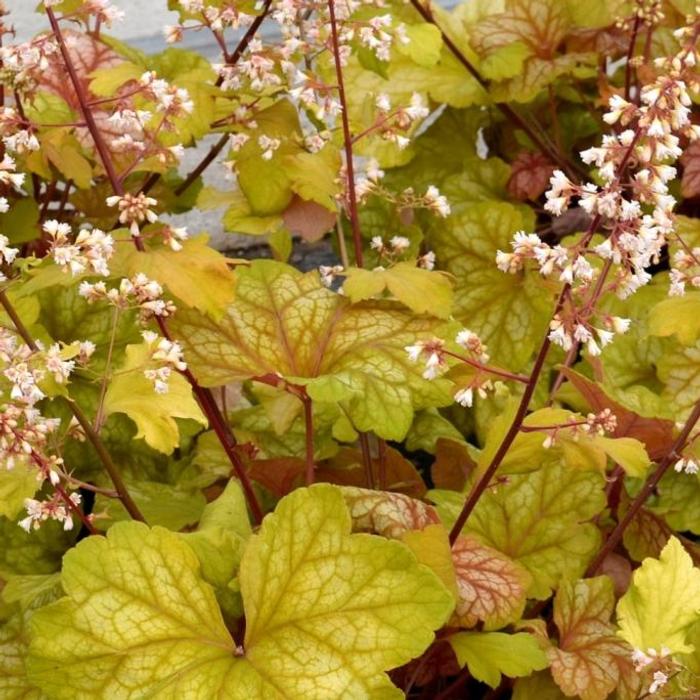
(87, 54)
(279, 476)
(690, 183)
(387, 514)
(492, 587)
(529, 177)
(346, 468)
(452, 465)
(540, 25)
(307, 219)
(439, 661)
(655, 433)
(590, 658)
(649, 533)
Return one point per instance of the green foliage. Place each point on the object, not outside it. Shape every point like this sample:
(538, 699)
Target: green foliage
(417, 438)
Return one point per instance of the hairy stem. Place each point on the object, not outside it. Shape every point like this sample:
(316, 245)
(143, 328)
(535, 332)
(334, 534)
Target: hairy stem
(204, 396)
(652, 482)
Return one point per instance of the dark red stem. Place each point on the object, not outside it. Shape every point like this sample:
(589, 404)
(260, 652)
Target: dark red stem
(204, 396)
(652, 482)
(347, 141)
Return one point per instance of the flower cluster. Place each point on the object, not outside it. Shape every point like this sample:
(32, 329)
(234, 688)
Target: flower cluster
(89, 251)
(136, 292)
(478, 375)
(167, 356)
(593, 424)
(53, 508)
(134, 209)
(633, 206)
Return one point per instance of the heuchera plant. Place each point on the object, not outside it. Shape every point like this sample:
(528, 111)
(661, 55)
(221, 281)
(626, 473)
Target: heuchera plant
(460, 460)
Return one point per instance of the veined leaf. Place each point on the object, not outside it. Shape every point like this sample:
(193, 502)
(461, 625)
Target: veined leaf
(154, 414)
(490, 654)
(333, 610)
(492, 588)
(286, 322)
(139, 620)
(423, 291)
(197, 275)
(387, 514)
(541, 520)
(14, 641)
(588, 660)
(507, 311)
(662, 602)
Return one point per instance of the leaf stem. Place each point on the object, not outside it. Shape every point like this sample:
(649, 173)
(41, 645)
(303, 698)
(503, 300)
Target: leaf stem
(652, 482)
(510, 436)
(309, 434)
(204, 396)
(99, 415)
(347, 141)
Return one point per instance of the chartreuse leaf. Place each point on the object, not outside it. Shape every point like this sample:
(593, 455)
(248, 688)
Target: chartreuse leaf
(542, 520)
(492, 587)
(139, 621)
(219, 542)
(679, 369)
(131, 393)
(335, 610)
(423, 291)
(197, 275)
(38, 552)
(265, 182)
(490, 654)
(431, 545)
(286, 322)
(590, 657)
(679, 316)
(14, 640)
(662, 603)
(171, 506)
(15, 485)
(509, 312)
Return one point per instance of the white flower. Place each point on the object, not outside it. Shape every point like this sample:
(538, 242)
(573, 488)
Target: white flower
(659, 680)
(465, 397)
(436, 201)
(399, 243)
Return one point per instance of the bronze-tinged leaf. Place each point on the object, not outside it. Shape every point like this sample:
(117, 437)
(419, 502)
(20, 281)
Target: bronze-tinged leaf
(347, 469)
(88, 55)
(308, 219)
(492, 587)
(280, 475)
(529, 177)
(387, 514)
(690, 182)
(286, 323)
(539, 24)
(655, 433)
(590, 658)
(452, 466)
(648, 534)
